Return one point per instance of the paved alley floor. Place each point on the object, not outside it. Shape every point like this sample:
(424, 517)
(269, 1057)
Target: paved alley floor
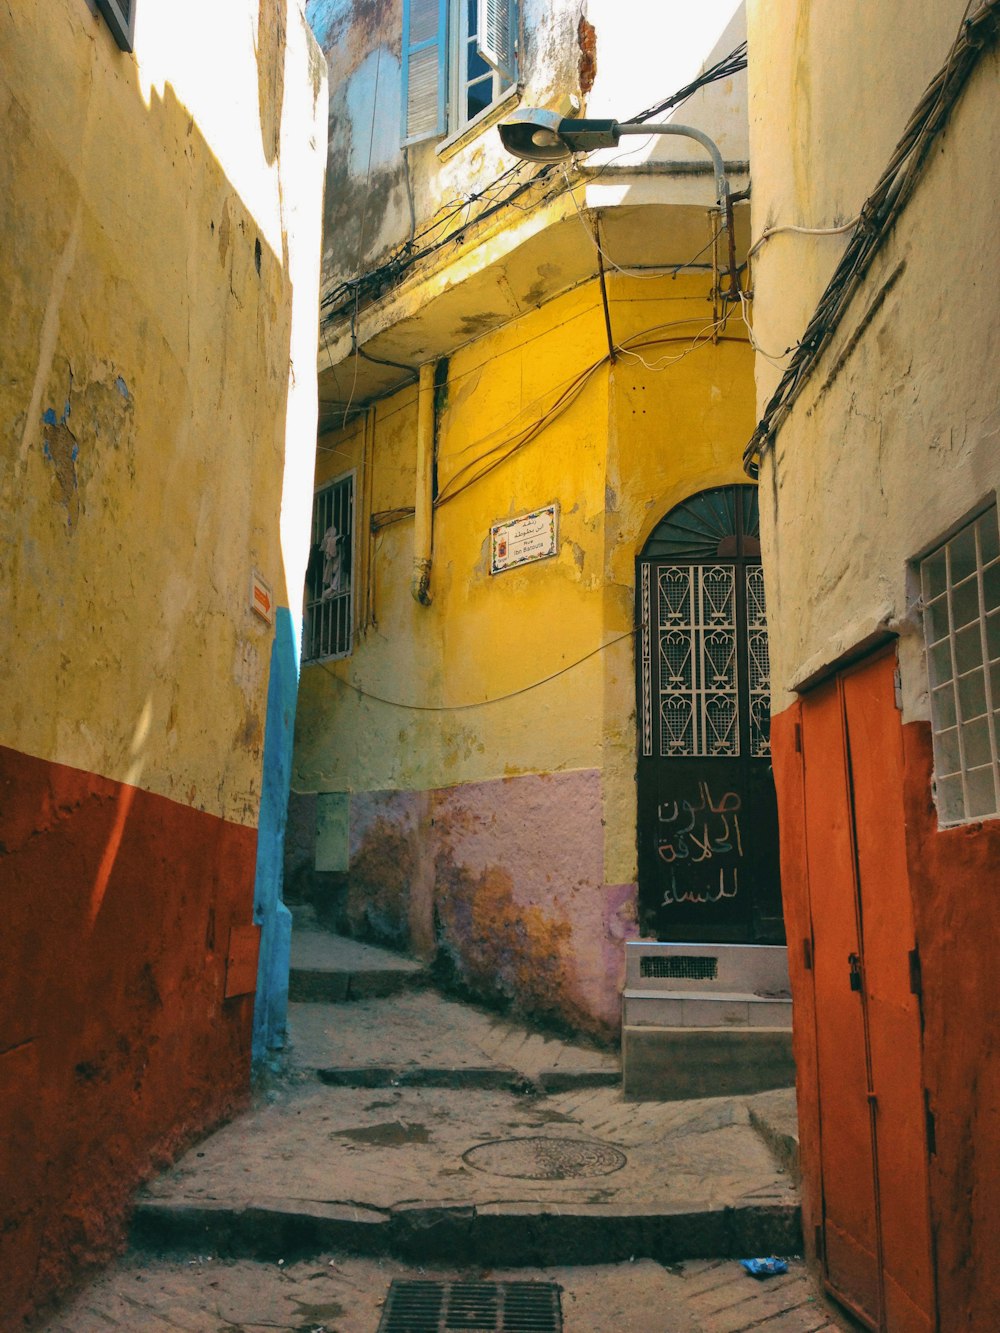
(341, 1295)
(406, 1132)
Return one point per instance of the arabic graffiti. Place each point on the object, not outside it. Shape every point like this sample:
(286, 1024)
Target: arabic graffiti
(704, 829)
(728, 887)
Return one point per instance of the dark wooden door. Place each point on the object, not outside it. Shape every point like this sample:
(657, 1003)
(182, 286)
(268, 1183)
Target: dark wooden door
(707, 818)
(873, 1141)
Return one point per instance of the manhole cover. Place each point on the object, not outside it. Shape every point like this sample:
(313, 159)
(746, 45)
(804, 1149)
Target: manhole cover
(476, 1307)
(540, 1158)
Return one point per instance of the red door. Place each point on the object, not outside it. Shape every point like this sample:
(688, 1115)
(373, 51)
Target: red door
(873, 1133)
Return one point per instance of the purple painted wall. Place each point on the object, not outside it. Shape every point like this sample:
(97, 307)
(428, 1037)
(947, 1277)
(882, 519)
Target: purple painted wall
(503, 883)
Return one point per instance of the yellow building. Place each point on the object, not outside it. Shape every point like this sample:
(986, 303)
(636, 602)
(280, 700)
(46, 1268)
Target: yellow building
(524, 370)
(158, 290)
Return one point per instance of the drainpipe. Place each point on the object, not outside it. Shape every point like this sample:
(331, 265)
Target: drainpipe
(423, 509)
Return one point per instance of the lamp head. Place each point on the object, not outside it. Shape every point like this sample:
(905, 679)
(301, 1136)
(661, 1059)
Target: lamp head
(545, 136)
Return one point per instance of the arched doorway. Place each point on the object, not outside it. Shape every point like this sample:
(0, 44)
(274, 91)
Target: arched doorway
(707, 818)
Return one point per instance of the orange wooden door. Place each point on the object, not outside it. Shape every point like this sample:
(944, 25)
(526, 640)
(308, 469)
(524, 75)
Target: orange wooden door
(877, 1240)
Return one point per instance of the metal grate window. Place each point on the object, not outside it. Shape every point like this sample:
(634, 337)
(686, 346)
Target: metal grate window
(696, 634)
(960, 587)
(476, 1307)
(329, 610)
(758, 664)
(689, 967)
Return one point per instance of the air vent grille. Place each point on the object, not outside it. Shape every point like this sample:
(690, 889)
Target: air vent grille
(688, 967)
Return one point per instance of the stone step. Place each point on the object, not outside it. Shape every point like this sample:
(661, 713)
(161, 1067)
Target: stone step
(484, 1078)
(677, 1063)
(704, 1009)
(486, 1235)
(775, 1118)
(758, 969)
(331, 968)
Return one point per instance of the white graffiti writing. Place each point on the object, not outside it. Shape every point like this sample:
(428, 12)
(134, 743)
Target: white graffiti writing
(710, 894)
(685, 843)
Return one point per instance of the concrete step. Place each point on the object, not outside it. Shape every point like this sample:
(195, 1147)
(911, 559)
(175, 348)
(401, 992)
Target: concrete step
(484, 1078)
(775, 1118)
(758, 969)
(677, 1063)
(703, 1009)
(475, 1177)
(485, 1235)
(332, 968)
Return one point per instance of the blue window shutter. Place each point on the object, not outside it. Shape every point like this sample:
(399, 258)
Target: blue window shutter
(425, 69)
(497, 36)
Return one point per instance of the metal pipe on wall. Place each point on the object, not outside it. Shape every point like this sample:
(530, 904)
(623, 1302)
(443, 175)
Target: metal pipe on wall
(423, 515)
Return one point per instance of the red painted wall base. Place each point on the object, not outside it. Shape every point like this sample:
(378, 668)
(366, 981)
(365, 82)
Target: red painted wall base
(117, 1045)
(954, 883)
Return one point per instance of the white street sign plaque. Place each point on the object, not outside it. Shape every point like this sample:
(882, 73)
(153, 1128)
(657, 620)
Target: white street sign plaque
(519, 541)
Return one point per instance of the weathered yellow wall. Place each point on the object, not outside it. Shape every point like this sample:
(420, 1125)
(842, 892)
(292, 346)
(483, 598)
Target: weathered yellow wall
(634, 442)
(158, 398)
(900, 441)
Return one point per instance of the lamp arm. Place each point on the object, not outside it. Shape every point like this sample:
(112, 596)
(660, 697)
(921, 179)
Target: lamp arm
(689, 132)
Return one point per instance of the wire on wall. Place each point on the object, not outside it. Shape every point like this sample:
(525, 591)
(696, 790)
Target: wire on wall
(476, 703)
(978, 33)
(502, 193)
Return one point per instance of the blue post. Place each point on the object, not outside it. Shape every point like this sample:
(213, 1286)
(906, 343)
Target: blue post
(270, 1015)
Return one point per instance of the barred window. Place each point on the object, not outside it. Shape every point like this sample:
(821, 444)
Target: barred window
(960, 588)
(329, 609)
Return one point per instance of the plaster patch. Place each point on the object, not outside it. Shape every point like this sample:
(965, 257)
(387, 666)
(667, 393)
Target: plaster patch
(373, 107)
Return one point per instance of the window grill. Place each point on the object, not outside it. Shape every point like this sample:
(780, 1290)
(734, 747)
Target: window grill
(704, 667)
(329, 610)
(687, 967)
(960, 587)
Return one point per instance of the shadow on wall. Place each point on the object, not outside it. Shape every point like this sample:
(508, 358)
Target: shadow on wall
(119, 1044)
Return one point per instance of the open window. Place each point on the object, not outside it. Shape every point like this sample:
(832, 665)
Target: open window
(459, 58)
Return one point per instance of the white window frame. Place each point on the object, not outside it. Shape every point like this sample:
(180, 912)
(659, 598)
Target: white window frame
(337, 622)
(440, 108)
(961, 615)
(459, 82)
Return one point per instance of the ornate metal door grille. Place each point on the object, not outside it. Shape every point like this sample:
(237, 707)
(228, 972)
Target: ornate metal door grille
(707, 819)
(691, 687)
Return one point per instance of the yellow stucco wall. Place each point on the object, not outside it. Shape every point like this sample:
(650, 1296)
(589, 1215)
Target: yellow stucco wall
(158, 400)
(634, 442)
(894, 439)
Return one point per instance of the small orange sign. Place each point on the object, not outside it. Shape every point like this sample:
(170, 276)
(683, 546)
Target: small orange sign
(261, 598)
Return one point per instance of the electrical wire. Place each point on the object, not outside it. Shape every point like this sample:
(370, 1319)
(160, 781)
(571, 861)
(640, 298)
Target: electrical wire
(774, 358)
(338, 302)
(477, 703)
(977, 33)
(801, 231)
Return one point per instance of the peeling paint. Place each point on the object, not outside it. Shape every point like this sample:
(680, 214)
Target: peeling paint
(586, 36)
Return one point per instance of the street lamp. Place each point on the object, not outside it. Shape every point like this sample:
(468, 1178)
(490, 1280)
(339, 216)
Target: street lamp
(545, 136)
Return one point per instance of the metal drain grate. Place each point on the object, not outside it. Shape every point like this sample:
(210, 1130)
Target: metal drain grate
(691, 967)
(475, 1307)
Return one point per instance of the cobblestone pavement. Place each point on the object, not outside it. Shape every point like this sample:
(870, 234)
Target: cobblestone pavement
(334, 1295)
